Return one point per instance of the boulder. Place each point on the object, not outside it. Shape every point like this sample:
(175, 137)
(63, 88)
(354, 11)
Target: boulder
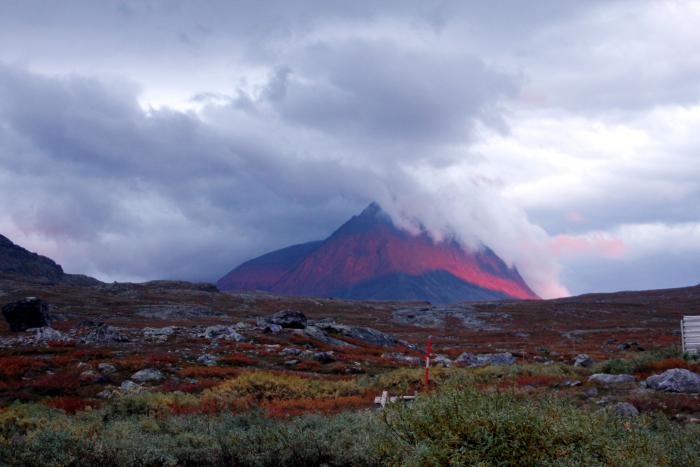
(365, 334)
(106, 368)
(272, 329)
(625, 409)
(129, 386)
(46, 334)
(220, 331)
(675, 380)
(583, 360)
(26, 314)
(104, 334)
(207, 359)
(147, 374)
(158, 335)
(441, 360)
(402, 357)
(90, 376)
(317, 334)
(288, 319)
(605, 378)
(325, 357)
(471, 360)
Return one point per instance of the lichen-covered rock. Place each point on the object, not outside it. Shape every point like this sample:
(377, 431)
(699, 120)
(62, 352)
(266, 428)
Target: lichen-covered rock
(625, 409)
(288, 319)
(129, 386)
(472, 360)
(675, 380)
(207, 359)
(105, 334)
(26, 314)
(362, 333)
(605, 378)
(146, 375)
(402, 357)
(583, 360)
(158, 335)
(220, 331)
(46, 334)
(106, 368)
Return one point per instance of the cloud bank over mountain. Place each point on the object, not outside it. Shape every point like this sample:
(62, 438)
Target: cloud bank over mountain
(158, 139)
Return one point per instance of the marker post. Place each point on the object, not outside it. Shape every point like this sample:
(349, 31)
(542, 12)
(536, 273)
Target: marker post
(427, 364)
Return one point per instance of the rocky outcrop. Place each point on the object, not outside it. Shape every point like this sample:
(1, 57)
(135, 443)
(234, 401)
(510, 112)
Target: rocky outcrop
(583, 360)
(675, 380)
(364, 334)
(605, 378)
(146, 375)
(105, 334)
(288, 319)
(220, 331)
(26, 314)
(472, 360)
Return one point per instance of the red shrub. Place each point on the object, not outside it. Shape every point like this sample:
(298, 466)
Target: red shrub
(71, 405)
(13, 367)
(57, 383)
(309, 365)
(208, 372)
(239, 359)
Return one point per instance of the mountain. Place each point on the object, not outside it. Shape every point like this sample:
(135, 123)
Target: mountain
(19, 263)
(368, 258)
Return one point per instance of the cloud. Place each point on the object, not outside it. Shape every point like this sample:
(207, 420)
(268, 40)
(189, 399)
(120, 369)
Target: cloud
(561, 134)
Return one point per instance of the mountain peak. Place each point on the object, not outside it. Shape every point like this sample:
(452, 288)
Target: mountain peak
(369, 258)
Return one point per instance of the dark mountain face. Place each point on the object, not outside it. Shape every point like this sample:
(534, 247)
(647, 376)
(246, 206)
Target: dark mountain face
(19, 263)
(369, 258)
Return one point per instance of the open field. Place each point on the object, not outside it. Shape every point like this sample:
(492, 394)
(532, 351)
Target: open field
(235, 397)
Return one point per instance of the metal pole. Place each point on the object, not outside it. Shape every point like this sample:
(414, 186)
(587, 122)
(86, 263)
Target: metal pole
(427, 364)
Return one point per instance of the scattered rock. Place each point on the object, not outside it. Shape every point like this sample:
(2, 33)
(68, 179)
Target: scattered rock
(441, 360)
(288, 319)
(106, 368)
(571, 383)
(365, 334)
(90, 376)
(605, 378)
(147, 374)
(172, 312)
(471, 360)
(129, 386)
(26, 314)
(159, 335)
(106, 394)
(317, 334)
(675, 380)
(625, 409)
(591, 392)
(402, 357)
(272, 329)
(583, 360)
(49, 334)
(220, 331)
(325, 357)
(207, 359)
(291, 362)
(104, 334)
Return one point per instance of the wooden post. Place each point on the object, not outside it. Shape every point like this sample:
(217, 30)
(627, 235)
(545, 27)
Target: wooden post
(427, 364)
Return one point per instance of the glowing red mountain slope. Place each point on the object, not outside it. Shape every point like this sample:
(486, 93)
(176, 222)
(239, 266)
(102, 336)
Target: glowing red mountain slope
(369, 258)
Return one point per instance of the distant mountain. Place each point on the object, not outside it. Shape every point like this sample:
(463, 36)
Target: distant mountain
(368, 258)
(19, 263)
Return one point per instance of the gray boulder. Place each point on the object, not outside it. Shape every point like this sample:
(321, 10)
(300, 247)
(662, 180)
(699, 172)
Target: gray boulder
(365, 334)
(207, 359)
(675, 380)
(159, 335)
(288, 319)
(146, 375)
(26, 314)
(402, 357)
(46, 333)
(324, 357)
(129, 386)
(471, 360)
(319, 335)
(583, 360)
(104, 334)
(625, 409)
(605, 378)
(441, 360)
(106, 368)
(220, 331)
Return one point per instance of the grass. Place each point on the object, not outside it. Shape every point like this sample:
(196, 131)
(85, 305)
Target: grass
(454, 427)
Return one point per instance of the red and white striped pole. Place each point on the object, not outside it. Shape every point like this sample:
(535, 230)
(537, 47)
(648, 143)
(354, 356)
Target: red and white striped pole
(427, 364)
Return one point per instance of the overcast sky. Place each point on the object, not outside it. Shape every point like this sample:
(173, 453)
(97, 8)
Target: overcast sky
(175, 139)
